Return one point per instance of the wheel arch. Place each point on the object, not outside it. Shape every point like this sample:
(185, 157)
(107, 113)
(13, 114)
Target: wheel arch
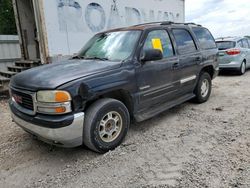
(120, 95)
(209, 69)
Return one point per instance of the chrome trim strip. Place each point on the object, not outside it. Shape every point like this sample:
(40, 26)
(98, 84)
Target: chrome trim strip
(188, 79)
(145, 87)
(158, 90)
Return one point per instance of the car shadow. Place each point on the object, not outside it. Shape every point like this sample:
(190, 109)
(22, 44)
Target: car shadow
(228, 73)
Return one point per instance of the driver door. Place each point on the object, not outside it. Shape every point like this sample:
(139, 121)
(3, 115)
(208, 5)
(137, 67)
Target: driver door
(155, 78)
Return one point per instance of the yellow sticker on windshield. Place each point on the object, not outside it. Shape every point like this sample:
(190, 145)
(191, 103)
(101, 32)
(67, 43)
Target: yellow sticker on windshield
(156, 43)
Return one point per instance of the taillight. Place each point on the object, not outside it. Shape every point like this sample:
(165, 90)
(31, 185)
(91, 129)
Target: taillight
(233, 52)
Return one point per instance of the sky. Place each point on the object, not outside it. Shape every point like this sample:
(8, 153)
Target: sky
(222, 17)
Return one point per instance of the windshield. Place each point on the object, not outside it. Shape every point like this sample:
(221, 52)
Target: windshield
(113, 46)
(224, 45)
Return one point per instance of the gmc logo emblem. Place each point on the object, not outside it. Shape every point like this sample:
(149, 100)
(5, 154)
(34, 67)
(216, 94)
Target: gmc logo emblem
(17, 98)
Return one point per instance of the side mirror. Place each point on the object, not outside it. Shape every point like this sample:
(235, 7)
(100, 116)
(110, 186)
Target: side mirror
(151, 55)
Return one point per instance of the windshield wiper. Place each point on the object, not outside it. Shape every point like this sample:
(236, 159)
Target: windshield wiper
(97, 58)
(78, 57)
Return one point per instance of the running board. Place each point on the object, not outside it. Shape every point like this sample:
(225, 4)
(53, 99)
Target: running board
(144, 115)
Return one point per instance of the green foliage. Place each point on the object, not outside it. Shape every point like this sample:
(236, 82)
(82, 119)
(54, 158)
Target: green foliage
(7, 19)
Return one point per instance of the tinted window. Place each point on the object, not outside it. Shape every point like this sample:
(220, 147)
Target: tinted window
(164, 39)
(205, 38)
(224, 45)
(245, 43)
(184, 41)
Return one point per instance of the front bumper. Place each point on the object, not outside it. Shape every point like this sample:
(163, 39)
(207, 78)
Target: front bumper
(66, 136)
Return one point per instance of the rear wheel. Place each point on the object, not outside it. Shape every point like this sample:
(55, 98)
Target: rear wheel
(106, 125)
(243, 68)
(203, 88)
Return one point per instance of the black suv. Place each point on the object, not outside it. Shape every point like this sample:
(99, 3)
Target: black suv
(131, 73)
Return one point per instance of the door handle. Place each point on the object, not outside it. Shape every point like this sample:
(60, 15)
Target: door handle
(175, 65)
(198, 59)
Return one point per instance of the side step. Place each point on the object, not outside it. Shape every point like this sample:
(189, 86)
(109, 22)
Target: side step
(141, 116)
(16, 68)
(28, 63)
(7, 74)
(4, 83)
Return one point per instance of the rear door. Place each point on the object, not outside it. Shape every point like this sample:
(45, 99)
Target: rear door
(246, 51)
(248, 41)
(189, 59)
(155, 78)
(207, 46)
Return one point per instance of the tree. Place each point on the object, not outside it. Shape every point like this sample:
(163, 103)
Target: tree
(7, 19)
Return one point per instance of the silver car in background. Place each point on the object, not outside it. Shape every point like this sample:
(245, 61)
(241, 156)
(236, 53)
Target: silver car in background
(234, 53)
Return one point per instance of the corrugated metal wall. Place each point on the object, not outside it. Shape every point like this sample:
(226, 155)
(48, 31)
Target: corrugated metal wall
(9, 48)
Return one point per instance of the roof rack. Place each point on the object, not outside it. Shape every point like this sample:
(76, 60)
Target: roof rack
(229, 37)
(167, 23)
(148, 23)
(191, 23)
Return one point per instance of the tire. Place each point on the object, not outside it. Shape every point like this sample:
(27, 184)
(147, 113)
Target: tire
(242, 70)
(202, 94)
(106, 125)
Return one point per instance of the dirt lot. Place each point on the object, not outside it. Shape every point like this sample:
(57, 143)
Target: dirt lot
(191, 145)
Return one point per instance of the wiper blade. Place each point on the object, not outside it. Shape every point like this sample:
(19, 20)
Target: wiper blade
(78, 57)
(98, 58)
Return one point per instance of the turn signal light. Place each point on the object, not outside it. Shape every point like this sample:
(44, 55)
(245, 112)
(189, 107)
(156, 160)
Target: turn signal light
(62, 96)
(60, 110)
(233, 52)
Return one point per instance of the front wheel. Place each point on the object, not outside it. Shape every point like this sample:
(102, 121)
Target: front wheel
(203, 88)
(106, 125)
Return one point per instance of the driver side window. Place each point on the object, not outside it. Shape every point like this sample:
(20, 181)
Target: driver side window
(163, 41)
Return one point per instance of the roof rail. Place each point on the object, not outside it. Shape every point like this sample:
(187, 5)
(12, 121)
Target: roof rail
(148, 23)
(167, 23)
(192, 23)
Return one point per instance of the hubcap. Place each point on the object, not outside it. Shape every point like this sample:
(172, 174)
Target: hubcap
(110, 126)
(204, 88)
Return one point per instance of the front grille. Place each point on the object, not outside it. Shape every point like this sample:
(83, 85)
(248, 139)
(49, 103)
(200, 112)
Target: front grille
(23, 99)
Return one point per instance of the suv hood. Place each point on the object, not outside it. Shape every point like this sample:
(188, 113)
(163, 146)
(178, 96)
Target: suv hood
(53, 75)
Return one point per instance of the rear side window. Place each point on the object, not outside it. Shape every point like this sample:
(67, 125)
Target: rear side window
(224, 45)
(245, 43)
(165, 42)
(184, 41)
(205, 38)
(240, 43)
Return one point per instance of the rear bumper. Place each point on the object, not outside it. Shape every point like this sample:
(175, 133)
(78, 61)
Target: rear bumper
(231, 65)
(66, 136)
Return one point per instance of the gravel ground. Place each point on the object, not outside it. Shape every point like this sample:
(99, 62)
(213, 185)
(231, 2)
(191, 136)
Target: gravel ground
(191, 145)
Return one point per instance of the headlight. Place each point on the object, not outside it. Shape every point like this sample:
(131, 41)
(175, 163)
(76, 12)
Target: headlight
(53, 96)
(53, 102)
